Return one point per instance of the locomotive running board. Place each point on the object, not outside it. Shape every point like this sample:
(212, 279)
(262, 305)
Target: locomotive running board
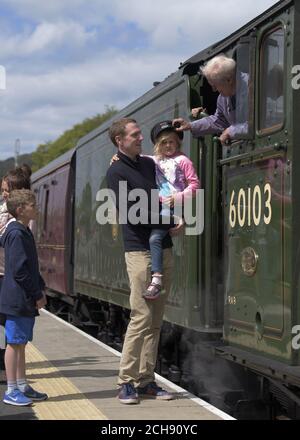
(270, 368)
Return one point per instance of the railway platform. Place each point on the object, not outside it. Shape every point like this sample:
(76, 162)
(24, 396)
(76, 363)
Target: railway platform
(79, 374)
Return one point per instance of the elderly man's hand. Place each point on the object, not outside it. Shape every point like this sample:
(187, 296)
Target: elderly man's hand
(225, 137)
(181, 125)
(196, 111)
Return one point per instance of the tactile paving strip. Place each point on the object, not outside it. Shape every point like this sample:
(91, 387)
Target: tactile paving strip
(65, 402)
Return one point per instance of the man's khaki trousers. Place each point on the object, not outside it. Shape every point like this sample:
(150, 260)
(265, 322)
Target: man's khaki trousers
(142, 336)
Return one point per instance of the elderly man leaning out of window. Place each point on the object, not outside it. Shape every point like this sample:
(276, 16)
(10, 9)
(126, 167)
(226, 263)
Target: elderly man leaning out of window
(220, 72)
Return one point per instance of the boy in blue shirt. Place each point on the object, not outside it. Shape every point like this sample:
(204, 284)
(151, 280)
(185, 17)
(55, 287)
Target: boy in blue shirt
(21, 295)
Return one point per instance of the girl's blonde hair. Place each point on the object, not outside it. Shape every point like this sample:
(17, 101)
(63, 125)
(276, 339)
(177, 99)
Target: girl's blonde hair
(161, 138)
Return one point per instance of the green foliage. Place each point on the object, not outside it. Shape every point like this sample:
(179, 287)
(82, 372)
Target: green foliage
(45, 153)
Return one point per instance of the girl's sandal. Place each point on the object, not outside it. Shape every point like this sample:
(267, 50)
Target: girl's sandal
(153, 291)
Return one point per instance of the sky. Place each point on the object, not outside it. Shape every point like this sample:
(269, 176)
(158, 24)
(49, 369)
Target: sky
(67, 60)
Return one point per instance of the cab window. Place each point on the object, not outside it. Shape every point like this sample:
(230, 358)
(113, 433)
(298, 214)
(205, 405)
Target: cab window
(243, 105)
(271, 81)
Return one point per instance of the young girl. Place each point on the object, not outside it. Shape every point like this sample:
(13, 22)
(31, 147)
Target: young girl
(176, 180)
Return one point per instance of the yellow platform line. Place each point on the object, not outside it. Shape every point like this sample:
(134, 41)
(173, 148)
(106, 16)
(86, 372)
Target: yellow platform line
(65, 402)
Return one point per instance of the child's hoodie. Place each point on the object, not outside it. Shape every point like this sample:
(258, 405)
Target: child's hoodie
(4, 219)
(22, 284)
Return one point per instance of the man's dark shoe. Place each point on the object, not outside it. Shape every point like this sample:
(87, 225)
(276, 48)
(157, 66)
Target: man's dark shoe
(128, 394)
(153, 391)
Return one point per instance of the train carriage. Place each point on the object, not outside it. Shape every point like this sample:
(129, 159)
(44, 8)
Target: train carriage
(53, 186)
(235, 292)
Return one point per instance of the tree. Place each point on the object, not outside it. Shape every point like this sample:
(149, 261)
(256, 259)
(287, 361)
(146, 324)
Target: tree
(50, 150)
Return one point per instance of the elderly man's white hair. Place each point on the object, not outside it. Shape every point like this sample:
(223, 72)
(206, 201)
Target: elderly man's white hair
(219, 69)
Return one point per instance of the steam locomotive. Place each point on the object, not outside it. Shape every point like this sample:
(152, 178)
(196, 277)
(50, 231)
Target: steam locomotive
(231, 329)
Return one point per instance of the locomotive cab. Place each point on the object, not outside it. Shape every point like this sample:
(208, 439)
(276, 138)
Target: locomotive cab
(259, 207)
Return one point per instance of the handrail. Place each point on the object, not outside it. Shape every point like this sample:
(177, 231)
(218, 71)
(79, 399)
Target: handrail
(249, 155)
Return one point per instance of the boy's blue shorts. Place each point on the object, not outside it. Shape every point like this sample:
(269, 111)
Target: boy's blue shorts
(18, 329)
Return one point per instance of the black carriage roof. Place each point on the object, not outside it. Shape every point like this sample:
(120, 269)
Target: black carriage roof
(191, 66)
(53, 165)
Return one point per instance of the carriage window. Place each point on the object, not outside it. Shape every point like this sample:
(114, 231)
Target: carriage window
(271, 80)
(46, 211)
